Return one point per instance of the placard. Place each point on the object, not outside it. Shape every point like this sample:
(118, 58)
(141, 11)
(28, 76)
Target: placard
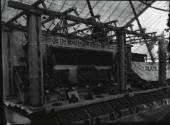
(59, 41)
(149, 71)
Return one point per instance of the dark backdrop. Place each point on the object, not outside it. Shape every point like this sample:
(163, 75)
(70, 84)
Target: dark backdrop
(81, 57)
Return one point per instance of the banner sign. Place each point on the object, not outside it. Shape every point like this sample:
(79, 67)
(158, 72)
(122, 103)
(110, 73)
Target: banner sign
(149, 71)
(58, 41)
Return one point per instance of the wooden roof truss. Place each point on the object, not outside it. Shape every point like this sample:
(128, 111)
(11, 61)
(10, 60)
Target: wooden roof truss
(64, 16)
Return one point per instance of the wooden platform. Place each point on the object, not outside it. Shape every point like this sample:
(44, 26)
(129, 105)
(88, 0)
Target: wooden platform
(67, 105)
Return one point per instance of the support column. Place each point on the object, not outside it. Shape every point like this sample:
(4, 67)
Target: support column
(35, 72)
(121, 74)
(162, 62)
(129, 60)
(5, 64)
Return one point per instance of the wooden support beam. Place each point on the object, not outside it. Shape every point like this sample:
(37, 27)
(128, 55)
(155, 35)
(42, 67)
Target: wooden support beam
(90, 8)
(69, 10)
(162, 62)
(130, 22)
(44, 5)
(140, 35)
(35, 61)
(69, 25)
(128, 58)
(92, 27)
(136, 39)
(110, 22)
(164, 38)
(6, 63)
(132, 42)
(73, 24)
(121, 41)
(131, 27)
(24, 29)
(81, 30)
(141, 31)
(23, 12)
(152, 33)
(92, 18)
(140, 39)
(131, 36)
(63, 13)
(26, 7)
(16, 17)
(47, 20)
(38, 2)
(13, 26)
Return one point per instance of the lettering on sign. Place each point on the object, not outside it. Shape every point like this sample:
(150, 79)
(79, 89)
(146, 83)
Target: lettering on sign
(148, 71)
(64, 42)
(151, 68)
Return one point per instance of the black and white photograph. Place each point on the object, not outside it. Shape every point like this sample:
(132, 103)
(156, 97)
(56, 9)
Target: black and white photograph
(85, 61)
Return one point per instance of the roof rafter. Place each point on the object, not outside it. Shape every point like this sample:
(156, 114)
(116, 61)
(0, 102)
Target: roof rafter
(141, 31)
(63, 14)
(140, 13)
(26, 7)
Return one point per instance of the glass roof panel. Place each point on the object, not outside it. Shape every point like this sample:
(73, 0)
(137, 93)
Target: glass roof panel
(109, 10)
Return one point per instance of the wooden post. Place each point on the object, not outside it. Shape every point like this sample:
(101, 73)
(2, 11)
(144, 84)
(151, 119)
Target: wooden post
(35, 60)
(121, 37)
(128, 63)
(5, 64)
(162, 62)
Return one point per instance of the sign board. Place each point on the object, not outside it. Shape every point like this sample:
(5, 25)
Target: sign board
(149, 71)
(59, 41)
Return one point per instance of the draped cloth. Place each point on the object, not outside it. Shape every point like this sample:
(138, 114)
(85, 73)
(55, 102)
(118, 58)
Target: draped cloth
(148, 71)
